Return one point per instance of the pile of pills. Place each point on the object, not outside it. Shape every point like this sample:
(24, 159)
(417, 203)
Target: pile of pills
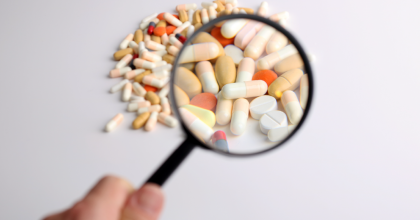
(218, 74)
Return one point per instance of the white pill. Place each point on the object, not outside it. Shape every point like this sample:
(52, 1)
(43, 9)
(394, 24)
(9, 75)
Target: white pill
(212, 13)
(263, 9)
(128, 88)
(271, 120)
(235, 53)
(190, 31)
(149, 18)
(167, 67)
(151, 122)
(133, 45)
(160, 52)
(240, 114)
(292, 106)
(167, 120)
(166, 108)
(126, 41)
(111, 125)
(261, 105)
(208, 4)
(139, 90)
(162, 74)
(246, 70)
(280, 133)
(190, 15)
(231, 27)
(165, 39)
(134, 106)
(136, 98)
(119, 86)
(182, 27)
(164, 92)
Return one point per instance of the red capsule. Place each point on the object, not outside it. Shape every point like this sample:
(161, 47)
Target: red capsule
(180, 38)
(135, 56)
(151, 28)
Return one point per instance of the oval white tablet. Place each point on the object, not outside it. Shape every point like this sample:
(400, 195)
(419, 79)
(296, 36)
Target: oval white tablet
(261, 105)
(280, 133)
(235, 53)
(271, 120)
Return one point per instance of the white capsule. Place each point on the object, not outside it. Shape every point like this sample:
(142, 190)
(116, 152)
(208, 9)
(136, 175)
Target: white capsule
(150, 56)
(139, 90)
(147, 37)
(134, 106)
(164, 91)
(167, 120)
(272, 120)
(149, 18)
(126, 41)
(261, 105)
(190, 15)
(263, 9)
(231, 27)
(246, 70)
(235, 53)
(128, 87)
(152, 108)
(142, 46)
(152, 80)
(207, 5)
(119, 72)
(205, 73)
(167, 67)
(175, 42)
(212, 13)
(154, 46)
(173, 51)
(162, 74)
(268, 62)
(196, 126)
(133, 45)
(166, 108)
(223, 110)
(151, 122)
(119, 86)
(199, 52)
(244, 89)
(171, 19)
(257, 45)
(239, 116)
(165, 39)
(204, 16)
(160, 52)
(124, 61)
(276, 42)
(111, 125)
(135, 98)
(292, 106)
(182, 27)
(130, 75)
(143, 64)
(190, 31)
(186, 7)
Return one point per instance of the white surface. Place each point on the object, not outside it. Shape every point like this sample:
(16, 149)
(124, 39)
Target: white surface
(349, 161)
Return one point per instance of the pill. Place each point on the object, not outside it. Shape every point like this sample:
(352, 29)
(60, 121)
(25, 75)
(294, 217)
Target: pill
(225, 71)
(143, 64)
(288, 81)
(164, 91)
(220, 6)
(232, 27)
(172, 50)
(204, 16)
(257, 45)
(244, 89)
(160, 28)
(207, 5)
(236, 11)
(141, 120)
(152, 80)
(167, 120)
(183, 15)
(146, 55)
(263, 9)
(196, 126)
(246, 69)
(134, 46)
(249, 11)
(240, 113)
(280, 133)
(304, 90)
(160, 53)
(139, 90)
(161, 74)
(181, 98)
(271, 59)
(267, 75)
(170, 29)
(186, 7)
(276, 42)
(216, 33)
(139, 78)
(218, 139)
(151, 28)
(181, 38)
(172, 20)
(156, 39)
(199, 52)
(205, 73)
(228, 6)
(175, 42)
(134, 106)
(223, 110)
(190, 15)
(150, 17)
(119, 72)
(292, 106)
(198, 26)
(284, 15)
(247, 33)
(154, 46)
(189, 66)
(205, 100)
(135, 98)
(151, 122)
(111, 125)
(204, 115)
(212, 12)
(166, 67)
(121, 53)
(188, 82)
(124, 43)
(204, 37)
(152, 108)
(190, 31)
(119, 86)
(138, 36)
(292, 62)
(196, 17)
(272, 120)
(261, 105)
(150, 88)
(165, 39)
(182, 27)
(124, 61)
(142, 46)
(233, 2)
(235, 53)
(147, 37)
(168, 58)
(152, 97)
(128, 87)
(165, 105)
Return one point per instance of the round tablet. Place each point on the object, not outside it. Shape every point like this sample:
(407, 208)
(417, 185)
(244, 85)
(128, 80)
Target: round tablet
(262, 105)
(271, 120)
(278, 134)
(235, 53)
(205, 100)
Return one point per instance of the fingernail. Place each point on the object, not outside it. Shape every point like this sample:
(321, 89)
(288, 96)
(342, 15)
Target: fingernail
(149, 199)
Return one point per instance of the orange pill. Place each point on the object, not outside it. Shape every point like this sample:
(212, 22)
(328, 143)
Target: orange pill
(170, 29)
(150, 88)
(267, 75)
(160, 28)
(216, 33)
(205, 100)
(160, 16)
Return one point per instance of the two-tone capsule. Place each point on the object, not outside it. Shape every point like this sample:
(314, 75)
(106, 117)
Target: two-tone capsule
(244, 89)
(240, 114)
(111, 125)
(218, 139)
(199, 52)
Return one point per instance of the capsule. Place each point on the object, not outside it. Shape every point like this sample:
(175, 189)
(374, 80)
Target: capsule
(246, 70)
(218, 139)
(152, 108)
(151, 123)
(190, 15)
(181, 38)
(142, 46)
(141, 120)
(149, 56)
(199, 52)
(186, 7)
(268, 62)
(135, 98)
(304, 90)
(287, 81)
(139, 90)
(134, 106)
(244, 89)
(151, 28)
(151, 80)
(196, 126)
(128, 87)
(167, 120)
(166, 108)
(240, 114)
(138, 36)
(284, 15)
(149, 18)
(164, 92)
(173, 50)
(181, 27)
(159, 53)
(205, 16)
(165, 39)
(232, 2)
(133, 73)
(263, 9)
(232, 27)
(124, 43)
(119, 86)
(175, 42)
(292, 106)
(172, 20)
(205, 73)
(247, 33)
(143, 64)
(223, 110)
(190, 31)
(292, 62)
(154, 46)
(134, 46)
(111, 125)
(212, 12)
(257, 45)
(119, 72)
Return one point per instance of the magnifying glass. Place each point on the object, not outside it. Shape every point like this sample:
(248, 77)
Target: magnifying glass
(241, 85)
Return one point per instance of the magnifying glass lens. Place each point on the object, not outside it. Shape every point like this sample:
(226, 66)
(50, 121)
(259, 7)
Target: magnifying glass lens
(240, 85)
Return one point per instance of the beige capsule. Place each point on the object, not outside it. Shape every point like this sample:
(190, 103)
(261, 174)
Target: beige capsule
(249, 11)
(168, 58)
(183, 16)
(225, 71)
(141, 120)
(188, 81)
(181, 98)
(220, 6)
(156, 39)
(152, 97)
(288, 81)
(138, 36)
(139, 77)
(289, 63)
(121, 53)
(204, 37)
(196, 17)
(189, 66)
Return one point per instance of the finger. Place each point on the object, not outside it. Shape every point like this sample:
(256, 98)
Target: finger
(144, 204)
(103, 202)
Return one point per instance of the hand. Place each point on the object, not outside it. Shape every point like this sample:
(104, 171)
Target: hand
(113, 198)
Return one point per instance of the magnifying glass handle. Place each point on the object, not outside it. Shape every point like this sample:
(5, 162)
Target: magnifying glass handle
(172, 162)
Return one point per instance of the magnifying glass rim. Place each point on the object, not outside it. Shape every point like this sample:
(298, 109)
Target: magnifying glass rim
(292, 39)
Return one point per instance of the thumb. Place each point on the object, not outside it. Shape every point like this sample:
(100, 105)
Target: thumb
(144, 204)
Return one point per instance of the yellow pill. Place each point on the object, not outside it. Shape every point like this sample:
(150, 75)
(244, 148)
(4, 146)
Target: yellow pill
(225, 71)
(138, 36)
(152, 97)
(141, 120)
(196, 17)
(197, 26)
(139, 77)
(168, 58)
(156, 39)
(121, 53)
(289, 63)
(188, 81)
(181, 98)
(288, 81)
(183, 16)
(204, 115)
(220, 6)
(189, 66)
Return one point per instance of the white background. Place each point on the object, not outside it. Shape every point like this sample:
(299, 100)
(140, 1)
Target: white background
(356, 157)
